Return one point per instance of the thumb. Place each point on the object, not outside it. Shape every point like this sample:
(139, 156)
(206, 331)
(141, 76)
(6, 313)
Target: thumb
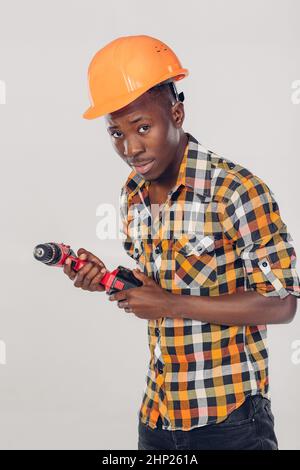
(140, 275)
(81, 253)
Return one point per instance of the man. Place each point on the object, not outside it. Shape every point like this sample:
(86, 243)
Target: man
(216, 260)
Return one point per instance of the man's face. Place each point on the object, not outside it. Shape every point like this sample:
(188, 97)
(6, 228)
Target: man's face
(145, 135)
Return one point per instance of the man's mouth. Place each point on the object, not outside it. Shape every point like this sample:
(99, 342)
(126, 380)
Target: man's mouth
(144, 168)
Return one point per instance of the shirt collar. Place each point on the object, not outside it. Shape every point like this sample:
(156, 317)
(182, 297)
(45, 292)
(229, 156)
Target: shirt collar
(194, 171)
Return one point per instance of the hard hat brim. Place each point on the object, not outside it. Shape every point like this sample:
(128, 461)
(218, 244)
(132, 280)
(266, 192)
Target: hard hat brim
(94, 112)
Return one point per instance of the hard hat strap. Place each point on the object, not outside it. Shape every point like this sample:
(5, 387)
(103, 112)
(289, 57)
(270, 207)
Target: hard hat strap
(171, 84)
(178, 97)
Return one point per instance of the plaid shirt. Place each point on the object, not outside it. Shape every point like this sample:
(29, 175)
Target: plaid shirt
(220, 229)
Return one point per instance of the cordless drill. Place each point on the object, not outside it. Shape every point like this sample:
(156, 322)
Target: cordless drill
(55, 254)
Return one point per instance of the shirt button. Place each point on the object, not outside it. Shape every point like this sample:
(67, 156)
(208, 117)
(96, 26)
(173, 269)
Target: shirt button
(160, 371)
(157, 331)
(265, 264)
(157, 250)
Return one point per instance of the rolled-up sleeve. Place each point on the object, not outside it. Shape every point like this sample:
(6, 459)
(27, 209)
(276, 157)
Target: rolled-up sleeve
(251, 221)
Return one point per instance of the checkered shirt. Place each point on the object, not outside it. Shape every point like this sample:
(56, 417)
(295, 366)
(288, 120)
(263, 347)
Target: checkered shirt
(220, 229)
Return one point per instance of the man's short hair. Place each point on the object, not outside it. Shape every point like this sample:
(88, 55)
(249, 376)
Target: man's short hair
(165, 94)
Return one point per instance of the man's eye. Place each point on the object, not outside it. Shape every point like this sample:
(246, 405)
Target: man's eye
(114, 132)
(146, 125)
(141, 127)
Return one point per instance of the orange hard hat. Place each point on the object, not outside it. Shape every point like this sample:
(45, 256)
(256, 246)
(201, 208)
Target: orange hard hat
(126, 68)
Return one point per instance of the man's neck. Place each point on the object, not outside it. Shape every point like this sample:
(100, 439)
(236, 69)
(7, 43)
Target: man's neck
(168, 179)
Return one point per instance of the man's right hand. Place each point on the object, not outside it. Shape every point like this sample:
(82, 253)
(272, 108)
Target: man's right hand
(88, 276)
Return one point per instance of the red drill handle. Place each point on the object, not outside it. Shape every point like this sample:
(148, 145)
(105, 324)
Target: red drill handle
(56, 254)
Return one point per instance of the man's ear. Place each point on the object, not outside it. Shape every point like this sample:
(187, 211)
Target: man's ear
(178, 114)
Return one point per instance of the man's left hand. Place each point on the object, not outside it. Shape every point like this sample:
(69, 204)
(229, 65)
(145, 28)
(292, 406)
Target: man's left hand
(148, 301)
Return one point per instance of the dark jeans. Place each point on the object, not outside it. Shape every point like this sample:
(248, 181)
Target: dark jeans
(249, 427)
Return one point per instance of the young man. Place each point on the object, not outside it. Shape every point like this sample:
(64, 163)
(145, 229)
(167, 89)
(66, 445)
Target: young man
(216, 260)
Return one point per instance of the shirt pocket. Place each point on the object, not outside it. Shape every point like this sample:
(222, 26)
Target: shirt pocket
(195, 261)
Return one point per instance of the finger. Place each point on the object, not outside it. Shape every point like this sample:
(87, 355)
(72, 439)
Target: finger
(68, 270)
(141, 276)
(90, 256)
(86, 283)
(118, 296)
(91, 280)
(81, 274)
(99, 288)
(123, 303)
(66, 267)
(95, 282)
(128, 310)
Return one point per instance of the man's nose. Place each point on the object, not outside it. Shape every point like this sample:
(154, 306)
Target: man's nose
(132, 148)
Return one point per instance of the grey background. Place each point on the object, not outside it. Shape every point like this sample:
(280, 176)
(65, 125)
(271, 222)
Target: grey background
(76, 364)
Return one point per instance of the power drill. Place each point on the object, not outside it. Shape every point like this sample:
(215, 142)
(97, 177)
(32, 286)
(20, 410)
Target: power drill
(55, 254)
